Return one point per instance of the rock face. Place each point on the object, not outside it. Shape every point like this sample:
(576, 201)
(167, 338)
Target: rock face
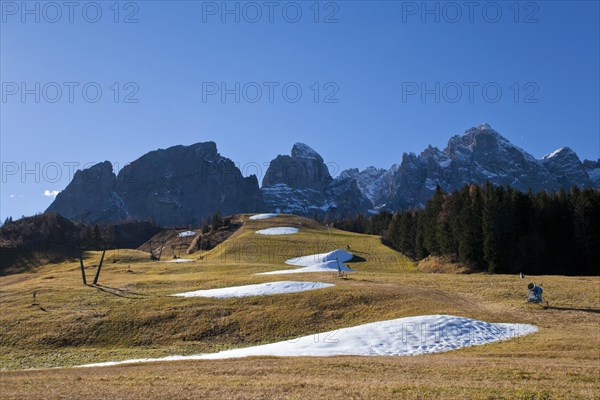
(90, 196)
(177, 186)
(479, 155)
(592, 168)
(375, 183)
(346, 199)
(185, 184)
(301, 184)
(304, 169)
(567, 168)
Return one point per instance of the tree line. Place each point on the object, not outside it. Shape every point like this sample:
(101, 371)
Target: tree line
(497, 229)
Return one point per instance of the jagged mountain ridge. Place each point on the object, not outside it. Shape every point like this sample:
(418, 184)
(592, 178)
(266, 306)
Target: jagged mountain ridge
(479, 155)
(374, 183)
(301, 184)
(593, 170)
(177, 186)
(186, 184)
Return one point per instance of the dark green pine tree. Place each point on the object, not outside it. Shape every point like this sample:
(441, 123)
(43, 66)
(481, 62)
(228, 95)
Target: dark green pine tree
(470, 241)
(379, 223)
(586, 227)
(420, 250)
(499, 230)
(448, 226)
(491, 229)
(393, 232)
(217, 221)
(431, 220)
(407, 234)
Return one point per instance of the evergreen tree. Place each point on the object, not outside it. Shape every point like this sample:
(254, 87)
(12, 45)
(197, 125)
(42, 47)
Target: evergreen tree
(469, 222)
(491, 229)
(431, 220)
(498, 229)
(407, 234)
(217, 221)
(447, 226)
(393, 232)
(420, 250)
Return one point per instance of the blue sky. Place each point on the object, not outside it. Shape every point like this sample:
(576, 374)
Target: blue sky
(361, 68)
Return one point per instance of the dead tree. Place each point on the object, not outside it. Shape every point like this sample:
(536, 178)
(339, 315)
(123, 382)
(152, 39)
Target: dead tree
(81, 265)
(162, 247)
(99, 267)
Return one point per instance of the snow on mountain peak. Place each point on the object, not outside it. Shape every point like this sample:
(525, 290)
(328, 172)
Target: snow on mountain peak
(483, 129)
(302, 150)
(559, 151)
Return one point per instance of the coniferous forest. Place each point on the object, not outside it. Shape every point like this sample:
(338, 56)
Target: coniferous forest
(497, 229)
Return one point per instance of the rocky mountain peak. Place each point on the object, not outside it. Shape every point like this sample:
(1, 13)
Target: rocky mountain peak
(305, 168)
(593, 170)
(301, 183)
(301, 150)
(561, 152)
(89, 197)
(480, 139)
(564, 164)
(350, 173)
(173, 186)
(185, 184)
(100, 174)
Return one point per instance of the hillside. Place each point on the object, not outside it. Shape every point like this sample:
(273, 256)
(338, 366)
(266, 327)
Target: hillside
(131, 314)
(177, 243)
(31, 242)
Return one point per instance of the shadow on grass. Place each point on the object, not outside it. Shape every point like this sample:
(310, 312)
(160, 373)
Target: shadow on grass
(118, 292)
(356, 258)
(590, 310)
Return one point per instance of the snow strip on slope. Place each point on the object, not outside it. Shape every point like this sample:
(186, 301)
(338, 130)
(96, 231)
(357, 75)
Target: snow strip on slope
(398, 337)
(186, 234)
(263, 289)
(282, 230)
(178, 260)
(262, 216)
(554, 153)
(324, 262)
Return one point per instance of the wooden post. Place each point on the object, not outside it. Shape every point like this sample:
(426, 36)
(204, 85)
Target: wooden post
(162, 247)
(81, 264)
(99, 267)
(152, 256)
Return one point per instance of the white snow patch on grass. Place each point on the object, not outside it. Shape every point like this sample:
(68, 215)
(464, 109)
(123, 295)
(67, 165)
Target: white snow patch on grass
(263, 289)
(398, 337)
(179, 260)
(324, 262)
(263, 216)
(186, 234)
(281, 230)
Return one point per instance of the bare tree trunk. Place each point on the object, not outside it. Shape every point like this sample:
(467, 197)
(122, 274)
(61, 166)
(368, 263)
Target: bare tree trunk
(99, 267)
(81, 264)
(162, 247)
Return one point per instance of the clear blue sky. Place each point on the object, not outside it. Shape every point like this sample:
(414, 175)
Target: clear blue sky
(373, 56)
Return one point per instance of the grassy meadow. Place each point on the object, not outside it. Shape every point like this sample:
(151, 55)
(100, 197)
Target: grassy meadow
(130, 314)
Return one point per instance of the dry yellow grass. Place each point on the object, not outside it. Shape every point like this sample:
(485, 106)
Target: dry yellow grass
(433, 264)
(131, 316)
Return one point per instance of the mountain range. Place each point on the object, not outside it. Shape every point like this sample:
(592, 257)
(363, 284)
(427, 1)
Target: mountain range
(183, 185)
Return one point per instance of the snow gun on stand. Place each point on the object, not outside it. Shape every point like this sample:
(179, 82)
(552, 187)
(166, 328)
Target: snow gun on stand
(534, 295)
